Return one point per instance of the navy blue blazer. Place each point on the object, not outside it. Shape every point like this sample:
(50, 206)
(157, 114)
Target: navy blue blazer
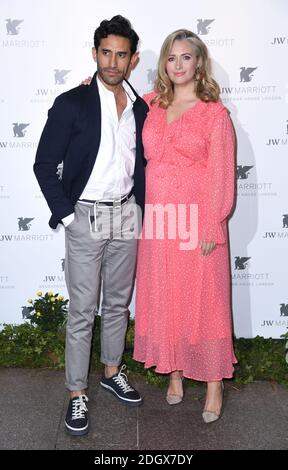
(72, 134)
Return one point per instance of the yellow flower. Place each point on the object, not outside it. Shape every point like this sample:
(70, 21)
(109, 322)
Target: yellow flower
(38, 314)
(30, 301)
(60, 297)
(39, 293)
(52, 299)
(49, 293)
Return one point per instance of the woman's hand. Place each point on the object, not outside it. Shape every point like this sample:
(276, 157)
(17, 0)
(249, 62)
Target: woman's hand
(87, 81)
(207, 247)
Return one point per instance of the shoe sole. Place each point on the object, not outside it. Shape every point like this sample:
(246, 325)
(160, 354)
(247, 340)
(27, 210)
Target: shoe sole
(75, 432)
(126, 402)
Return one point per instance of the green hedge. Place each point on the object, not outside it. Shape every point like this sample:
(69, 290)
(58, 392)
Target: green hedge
(27, 346)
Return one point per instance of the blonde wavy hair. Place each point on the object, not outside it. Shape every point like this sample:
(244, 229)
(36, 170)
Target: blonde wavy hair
(207, 89)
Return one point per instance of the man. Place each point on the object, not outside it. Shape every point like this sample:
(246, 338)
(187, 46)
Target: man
(96, 132)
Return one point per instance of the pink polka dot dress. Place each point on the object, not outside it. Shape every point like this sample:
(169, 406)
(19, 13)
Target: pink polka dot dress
(183, 312)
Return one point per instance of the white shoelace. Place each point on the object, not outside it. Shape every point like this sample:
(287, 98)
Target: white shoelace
(79, 407)
(122, 380)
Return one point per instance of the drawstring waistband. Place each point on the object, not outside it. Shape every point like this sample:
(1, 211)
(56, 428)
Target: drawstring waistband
(95, 205)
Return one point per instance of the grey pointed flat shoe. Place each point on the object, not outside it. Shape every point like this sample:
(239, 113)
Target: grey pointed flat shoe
(173, 399)
(211, 416)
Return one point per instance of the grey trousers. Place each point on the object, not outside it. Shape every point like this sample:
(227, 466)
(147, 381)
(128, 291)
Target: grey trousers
(100, 250)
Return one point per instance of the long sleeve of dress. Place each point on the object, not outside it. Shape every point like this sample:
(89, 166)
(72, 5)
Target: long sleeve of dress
(220, 183)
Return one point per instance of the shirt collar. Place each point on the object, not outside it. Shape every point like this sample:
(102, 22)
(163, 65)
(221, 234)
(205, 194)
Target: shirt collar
(130, 93)
(104, 91)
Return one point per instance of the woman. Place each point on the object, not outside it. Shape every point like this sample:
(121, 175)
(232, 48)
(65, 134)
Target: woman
(183, 318)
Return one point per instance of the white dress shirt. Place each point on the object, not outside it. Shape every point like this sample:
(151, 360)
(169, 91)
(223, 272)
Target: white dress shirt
(112, 174)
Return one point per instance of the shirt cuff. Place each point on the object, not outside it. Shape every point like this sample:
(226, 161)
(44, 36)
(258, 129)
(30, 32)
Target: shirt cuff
(68, 220)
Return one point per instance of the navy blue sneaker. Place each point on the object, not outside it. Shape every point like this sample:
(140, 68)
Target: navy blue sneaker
(76, 421)
(118, 385)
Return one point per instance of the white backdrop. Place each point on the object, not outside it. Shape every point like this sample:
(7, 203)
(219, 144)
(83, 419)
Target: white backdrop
(45, 49)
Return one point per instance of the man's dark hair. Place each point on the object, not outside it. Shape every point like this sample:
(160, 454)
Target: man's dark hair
(119, 26)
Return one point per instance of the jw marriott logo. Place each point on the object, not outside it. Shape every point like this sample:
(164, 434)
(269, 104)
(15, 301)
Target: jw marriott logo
(203, 26)
(60, 76)
(246, 73)
(241, 262)
(243, 172)
(24, 223)
(19, 129)
(12, 26)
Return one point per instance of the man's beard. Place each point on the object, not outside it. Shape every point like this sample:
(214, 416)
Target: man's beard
(112, 80)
